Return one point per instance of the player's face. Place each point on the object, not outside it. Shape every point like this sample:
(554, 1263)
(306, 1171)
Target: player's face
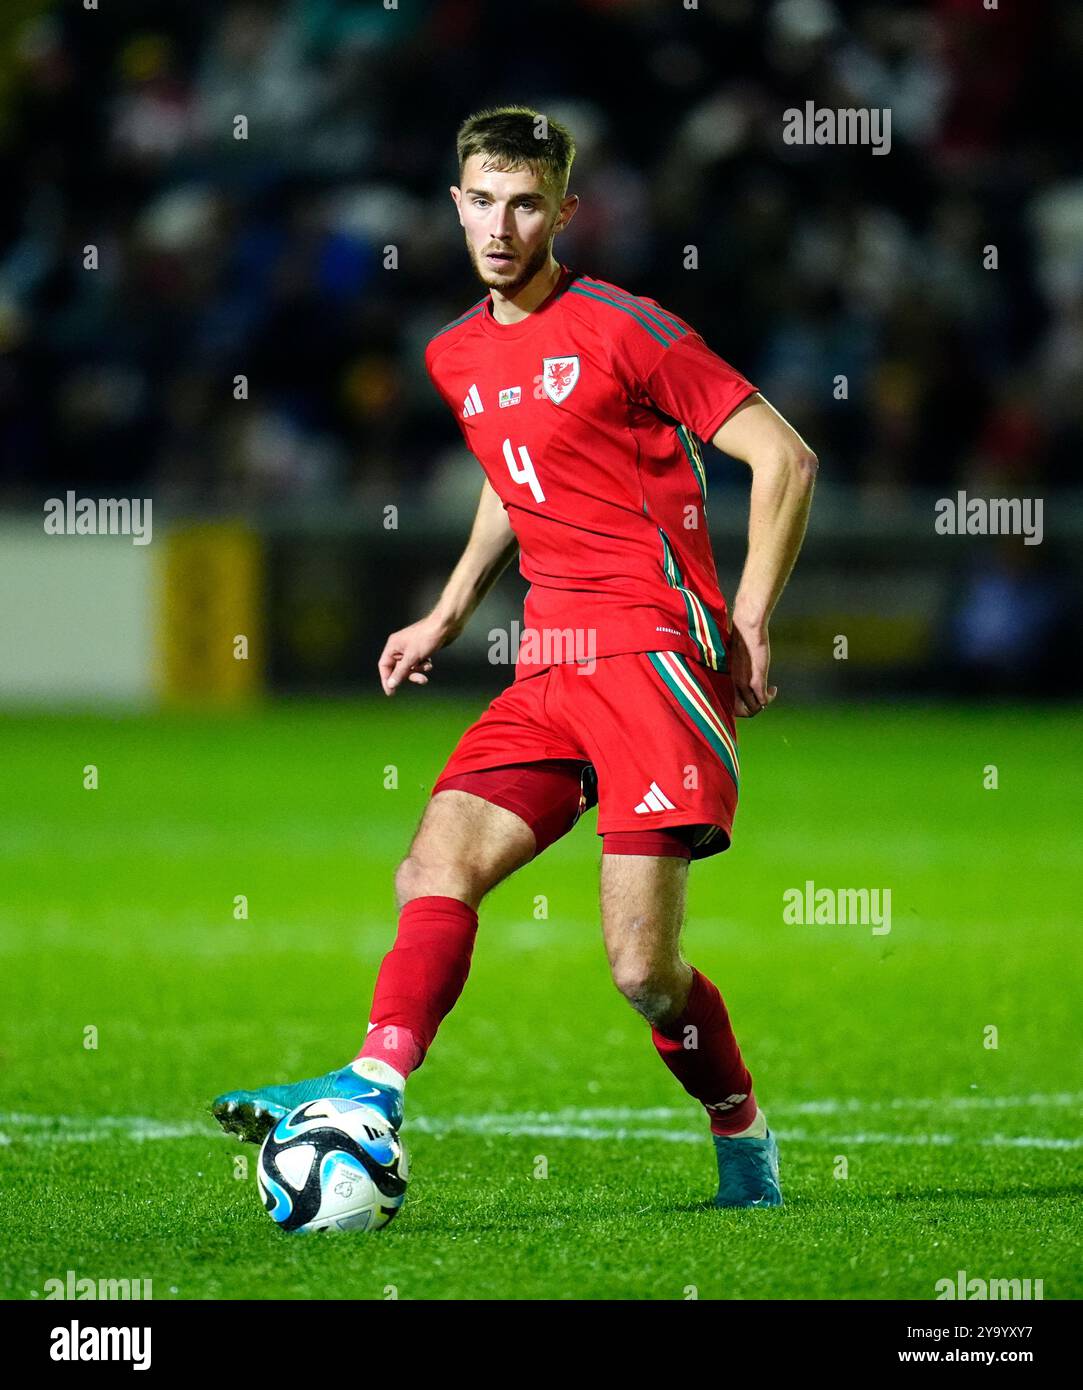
(509, 220)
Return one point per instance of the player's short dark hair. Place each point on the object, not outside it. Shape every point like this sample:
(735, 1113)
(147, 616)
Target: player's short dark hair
(518, 137)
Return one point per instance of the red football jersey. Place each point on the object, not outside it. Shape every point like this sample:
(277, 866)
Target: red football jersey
(583, 416)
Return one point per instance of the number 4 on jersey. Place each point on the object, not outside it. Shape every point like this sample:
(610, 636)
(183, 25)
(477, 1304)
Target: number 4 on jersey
(523, 472)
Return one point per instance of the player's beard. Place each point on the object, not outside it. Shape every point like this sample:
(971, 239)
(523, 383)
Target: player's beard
(528, 269)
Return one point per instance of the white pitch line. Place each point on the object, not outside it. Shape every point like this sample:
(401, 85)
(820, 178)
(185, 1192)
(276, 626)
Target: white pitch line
(1056, 1100)
(85, 1129)
(622, 1114)
(593, 1124)
(522, 1127)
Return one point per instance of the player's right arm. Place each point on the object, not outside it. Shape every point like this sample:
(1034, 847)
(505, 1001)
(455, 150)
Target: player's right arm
(491, 546)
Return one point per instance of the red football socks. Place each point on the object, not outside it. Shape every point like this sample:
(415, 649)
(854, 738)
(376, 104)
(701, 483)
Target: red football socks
(423, 974)
(419, 980)
(700, 1050)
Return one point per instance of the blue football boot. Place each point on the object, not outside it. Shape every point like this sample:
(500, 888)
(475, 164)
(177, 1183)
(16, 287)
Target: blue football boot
(747, 1172)
(250, 1114)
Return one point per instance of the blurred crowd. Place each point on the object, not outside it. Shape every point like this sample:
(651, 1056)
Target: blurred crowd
(264, 257)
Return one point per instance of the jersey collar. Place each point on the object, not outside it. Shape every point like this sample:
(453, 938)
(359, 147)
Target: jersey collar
(507, 332)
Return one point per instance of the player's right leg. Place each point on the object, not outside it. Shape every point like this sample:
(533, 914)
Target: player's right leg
(464, 846)
(510, 788)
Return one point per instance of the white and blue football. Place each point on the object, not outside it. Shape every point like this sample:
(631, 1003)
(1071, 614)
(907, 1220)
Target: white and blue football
(332, 1165)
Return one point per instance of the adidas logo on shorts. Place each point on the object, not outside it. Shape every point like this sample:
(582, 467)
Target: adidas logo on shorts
(654, 799)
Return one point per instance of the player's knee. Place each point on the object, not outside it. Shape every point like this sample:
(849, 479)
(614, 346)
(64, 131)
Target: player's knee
(422, 875)
(649, 986)
(418, 877)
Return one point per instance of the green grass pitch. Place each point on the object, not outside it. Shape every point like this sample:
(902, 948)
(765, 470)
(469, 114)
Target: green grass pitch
(868, 1051)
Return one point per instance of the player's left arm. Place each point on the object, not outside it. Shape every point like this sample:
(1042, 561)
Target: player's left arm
(783, 474)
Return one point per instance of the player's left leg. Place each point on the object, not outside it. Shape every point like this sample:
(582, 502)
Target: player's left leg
(659, 729)
(643, 882)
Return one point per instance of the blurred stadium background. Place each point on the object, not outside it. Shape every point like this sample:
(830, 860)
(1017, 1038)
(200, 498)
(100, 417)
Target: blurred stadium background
(265, 258)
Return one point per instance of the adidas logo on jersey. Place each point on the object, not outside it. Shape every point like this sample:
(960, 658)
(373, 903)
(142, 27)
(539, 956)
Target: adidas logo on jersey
(654, 799)
(472, 405)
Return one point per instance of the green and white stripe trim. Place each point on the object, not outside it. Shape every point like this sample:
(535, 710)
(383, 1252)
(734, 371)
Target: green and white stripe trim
(662, 327)
(469, 314)
(692, 698)
(702, 628)
(691, 447)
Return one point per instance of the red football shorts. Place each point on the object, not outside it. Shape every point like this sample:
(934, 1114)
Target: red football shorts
(647, 736)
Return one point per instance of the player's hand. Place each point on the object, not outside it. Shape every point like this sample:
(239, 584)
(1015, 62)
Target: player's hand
(407, 654)
(750, 658)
